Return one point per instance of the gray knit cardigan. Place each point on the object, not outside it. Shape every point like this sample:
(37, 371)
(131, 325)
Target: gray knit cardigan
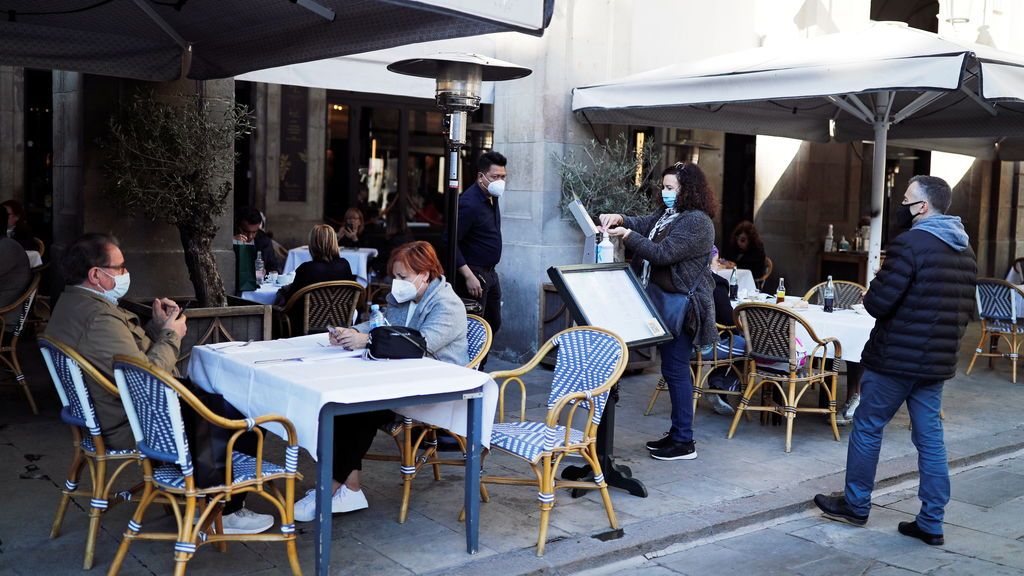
(685, 249)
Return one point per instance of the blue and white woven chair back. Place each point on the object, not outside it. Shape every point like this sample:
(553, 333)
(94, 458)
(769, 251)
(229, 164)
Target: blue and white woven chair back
(996, 302)
(154, 412)
(70, 383)
(586, 360)
(476, 335)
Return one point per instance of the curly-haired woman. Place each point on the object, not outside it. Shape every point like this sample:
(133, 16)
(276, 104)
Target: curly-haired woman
(746, 250)
(671, 251)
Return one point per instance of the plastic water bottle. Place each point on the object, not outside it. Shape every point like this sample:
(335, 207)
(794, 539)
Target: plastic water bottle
(605, 250)
(829, 294)
(780, 292)
(734, 285)
(260, 270)
(377, 318)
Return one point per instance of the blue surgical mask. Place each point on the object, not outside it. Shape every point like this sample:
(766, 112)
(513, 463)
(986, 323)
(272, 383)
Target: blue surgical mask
(121, 285)
(668, 197)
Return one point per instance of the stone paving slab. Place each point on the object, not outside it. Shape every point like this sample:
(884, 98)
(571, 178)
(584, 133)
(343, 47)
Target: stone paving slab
(733, 484)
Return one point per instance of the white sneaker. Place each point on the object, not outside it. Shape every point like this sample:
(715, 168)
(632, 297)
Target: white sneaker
(246, 521)
(344, 500)
(720, 406)
(851, 407)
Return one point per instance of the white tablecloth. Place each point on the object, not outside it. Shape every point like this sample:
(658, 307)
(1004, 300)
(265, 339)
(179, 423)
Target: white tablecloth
(744, 277)
(267, 294)
(34, 259)
(298, 389)
(358, 259)
(852, 329)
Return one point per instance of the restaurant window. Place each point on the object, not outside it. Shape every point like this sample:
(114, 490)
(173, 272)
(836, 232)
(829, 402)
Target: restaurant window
(337, 162)
(426, 167)
(378, 159)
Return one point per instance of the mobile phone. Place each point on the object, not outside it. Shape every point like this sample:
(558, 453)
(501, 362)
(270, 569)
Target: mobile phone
(181, 310)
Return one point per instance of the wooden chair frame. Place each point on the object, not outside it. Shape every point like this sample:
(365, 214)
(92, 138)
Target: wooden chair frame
(563, 411)
(793, 385)
(302, 296)
(700, 371)
(190, 535)
(411, 436)
(769, 266)
(839, 285)
(98, 460)
(994, 334)
(9, 340)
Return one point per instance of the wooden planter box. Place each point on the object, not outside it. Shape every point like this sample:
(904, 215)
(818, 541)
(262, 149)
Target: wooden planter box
(241, 320)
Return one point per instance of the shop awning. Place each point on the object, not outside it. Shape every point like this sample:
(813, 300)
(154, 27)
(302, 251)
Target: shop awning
(164, 39)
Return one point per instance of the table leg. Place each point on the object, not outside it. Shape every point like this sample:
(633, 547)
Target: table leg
(325, 466)
(474, 427)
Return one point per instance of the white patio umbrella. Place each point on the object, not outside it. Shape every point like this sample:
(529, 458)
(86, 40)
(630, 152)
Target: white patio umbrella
(885, 81)
(166, 39)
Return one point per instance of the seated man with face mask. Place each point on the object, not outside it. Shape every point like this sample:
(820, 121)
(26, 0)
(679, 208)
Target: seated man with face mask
(88, 318)
(422, 299)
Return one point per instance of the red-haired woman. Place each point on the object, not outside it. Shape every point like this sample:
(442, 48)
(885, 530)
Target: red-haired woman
(420, 298)
(671, 251)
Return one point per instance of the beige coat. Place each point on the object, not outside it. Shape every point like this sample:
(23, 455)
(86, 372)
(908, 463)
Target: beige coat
(99, 330)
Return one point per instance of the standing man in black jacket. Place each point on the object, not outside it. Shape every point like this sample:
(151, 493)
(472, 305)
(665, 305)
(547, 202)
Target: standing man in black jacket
(479, 238)
(922, 300)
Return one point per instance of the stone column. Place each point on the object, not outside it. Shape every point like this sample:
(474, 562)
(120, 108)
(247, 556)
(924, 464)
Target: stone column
(68, 167)
(12, 133)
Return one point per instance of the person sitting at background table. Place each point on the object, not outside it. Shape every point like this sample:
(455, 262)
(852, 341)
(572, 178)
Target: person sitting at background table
(17, 228)
(88, 318)
(326, 265)
(421, 298)
(352, 229)
(250, 229)
(15, 276)
(746, 250)
(722, 378)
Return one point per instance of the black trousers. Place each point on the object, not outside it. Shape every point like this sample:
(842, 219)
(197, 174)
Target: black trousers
(353, 436)
(490, 300)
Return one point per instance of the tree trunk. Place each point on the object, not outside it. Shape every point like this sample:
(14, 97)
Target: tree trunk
(202, 266)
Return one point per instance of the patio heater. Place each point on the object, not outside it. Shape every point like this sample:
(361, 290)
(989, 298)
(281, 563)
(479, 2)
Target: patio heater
(458, 77)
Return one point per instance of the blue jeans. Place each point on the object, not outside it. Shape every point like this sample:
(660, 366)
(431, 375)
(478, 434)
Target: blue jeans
(675, 367)
(880, 396)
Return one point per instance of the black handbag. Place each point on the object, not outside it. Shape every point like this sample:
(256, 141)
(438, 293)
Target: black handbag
(673, 306)
(396, 343)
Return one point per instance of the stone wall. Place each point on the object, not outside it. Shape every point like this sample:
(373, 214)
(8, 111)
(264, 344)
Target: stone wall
(12, 127)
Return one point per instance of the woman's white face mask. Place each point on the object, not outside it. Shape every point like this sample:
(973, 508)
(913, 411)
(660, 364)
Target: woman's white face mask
(404, 290)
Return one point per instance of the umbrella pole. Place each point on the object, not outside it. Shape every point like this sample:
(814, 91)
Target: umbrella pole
(881, 125)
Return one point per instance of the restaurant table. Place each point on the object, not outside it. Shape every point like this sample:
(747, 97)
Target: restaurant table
(358, 259)
(34, 259)
(852, 329)
(310, 383)
(744, 279)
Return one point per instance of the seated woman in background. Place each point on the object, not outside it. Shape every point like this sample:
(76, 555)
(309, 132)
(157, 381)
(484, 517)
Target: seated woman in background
(746, 251)
(421, 298)
(17, 227)
(722, 378)
(326, 265)
(351, 230)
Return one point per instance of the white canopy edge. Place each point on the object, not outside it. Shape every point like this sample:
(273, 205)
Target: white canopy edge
(522, 13)
(368, 72)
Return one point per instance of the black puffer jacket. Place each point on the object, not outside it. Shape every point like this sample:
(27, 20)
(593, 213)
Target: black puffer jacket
(922, 299)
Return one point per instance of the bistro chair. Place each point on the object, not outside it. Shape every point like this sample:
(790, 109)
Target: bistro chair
(725, 355)
(40, 247)
(410, 436)
(1018, 268)
(771, 334)
(152, 398)
(321, 305)
(589, 363)
(68, 371)
(999, 307)
(847, 294)
(10, 333)
(768, 267)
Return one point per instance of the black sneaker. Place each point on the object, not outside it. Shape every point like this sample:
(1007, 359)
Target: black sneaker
(913, 530)
(676, 451)
(836, 508)
(663, 442)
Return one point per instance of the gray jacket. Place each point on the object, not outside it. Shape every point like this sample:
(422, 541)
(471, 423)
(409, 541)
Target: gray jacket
(440, 316)
(15, 276)
(685, 249)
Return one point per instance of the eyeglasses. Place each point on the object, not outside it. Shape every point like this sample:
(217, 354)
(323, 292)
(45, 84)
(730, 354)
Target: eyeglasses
(121, 268)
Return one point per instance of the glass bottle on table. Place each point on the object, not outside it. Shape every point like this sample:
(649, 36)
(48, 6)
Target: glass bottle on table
(780, 292)
(829, 295)
(259, 269)
(734, 285)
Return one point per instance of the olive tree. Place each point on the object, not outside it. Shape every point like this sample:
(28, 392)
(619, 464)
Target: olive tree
(171, 160)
